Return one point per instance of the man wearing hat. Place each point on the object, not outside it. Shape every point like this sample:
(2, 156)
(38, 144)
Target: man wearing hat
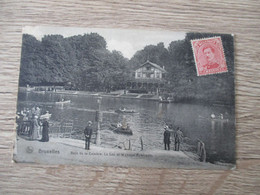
(178, 136)
(166, 138)
(88, 132)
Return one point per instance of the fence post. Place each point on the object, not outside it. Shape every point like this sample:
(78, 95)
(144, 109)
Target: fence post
(129, 145)
(142, 146)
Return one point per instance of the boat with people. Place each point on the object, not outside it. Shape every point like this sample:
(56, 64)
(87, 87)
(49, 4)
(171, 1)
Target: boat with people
(120, 129)
(220, 117)
(124, 110)
(165, 100)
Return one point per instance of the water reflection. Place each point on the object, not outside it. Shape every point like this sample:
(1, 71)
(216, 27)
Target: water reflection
(194, 120)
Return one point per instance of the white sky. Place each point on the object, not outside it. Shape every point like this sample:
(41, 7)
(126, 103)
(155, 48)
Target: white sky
(125, 41)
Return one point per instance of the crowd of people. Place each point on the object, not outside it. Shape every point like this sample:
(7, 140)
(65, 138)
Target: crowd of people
(32, 125)
(35, 127)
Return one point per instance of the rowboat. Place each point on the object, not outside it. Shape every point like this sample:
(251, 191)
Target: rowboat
(40, 92)
(165, 101)
(123, 110)
(63, 102)
(213, 117)
(120, 130)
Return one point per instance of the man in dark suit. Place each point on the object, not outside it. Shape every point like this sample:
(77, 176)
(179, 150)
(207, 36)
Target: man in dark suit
(88, 132)
(166, 138)
(209, 53)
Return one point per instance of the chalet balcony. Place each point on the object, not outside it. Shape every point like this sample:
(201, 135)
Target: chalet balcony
(148, 71)
(147, 80)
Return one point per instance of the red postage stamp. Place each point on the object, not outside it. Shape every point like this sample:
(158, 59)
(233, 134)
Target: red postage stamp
(209, 56)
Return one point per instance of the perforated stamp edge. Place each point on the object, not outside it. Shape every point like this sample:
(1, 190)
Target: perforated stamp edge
(222, 52)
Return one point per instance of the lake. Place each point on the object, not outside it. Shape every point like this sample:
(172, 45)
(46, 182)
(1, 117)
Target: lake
(147, 123)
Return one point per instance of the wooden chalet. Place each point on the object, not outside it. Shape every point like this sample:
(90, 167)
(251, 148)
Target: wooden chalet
(147, 77)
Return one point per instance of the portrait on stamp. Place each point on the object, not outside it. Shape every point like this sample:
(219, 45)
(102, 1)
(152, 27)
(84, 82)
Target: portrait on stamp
(131, 98)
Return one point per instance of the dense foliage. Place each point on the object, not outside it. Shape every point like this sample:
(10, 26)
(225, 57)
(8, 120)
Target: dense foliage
(83, 62)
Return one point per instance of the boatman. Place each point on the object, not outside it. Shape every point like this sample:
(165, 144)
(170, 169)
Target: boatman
(88, 132)
(166, 138)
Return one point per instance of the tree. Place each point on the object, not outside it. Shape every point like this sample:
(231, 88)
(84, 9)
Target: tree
(85, 63)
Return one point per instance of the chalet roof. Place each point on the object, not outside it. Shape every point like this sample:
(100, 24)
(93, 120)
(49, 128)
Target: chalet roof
(152, 64)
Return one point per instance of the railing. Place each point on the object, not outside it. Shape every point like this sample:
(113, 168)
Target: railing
(130, 144)
(24, 128)
(68, 129)
(61, 130)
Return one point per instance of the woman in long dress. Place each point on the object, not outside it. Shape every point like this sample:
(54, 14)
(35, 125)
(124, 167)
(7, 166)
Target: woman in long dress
(35, 128)
(45, 131)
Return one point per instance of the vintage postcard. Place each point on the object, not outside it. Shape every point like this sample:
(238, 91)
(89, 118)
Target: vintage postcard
(128, 98)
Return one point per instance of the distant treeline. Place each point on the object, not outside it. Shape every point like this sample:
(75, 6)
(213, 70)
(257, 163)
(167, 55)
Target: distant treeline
(83, 62)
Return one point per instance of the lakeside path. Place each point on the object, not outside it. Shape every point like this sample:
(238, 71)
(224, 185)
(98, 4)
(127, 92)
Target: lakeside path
(71, 151)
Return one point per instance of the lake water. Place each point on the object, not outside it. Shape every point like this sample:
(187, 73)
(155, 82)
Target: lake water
(147, 123)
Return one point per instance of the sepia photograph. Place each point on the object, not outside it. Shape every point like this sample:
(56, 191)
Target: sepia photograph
(126, 98)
